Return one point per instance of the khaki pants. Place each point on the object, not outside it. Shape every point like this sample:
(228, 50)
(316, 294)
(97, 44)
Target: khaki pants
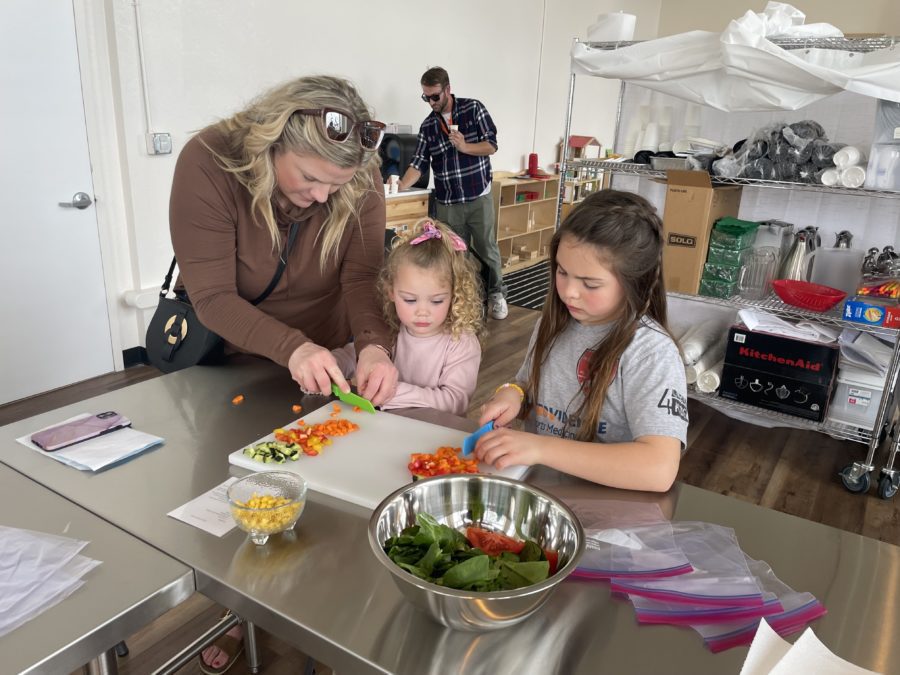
(474, 223)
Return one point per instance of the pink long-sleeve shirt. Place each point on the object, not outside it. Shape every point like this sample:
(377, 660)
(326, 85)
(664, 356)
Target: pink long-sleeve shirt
(436, 372)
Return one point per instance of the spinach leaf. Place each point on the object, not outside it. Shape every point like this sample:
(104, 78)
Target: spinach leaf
(519, 574)
(531, 552)
(468, 572)
(426, 563)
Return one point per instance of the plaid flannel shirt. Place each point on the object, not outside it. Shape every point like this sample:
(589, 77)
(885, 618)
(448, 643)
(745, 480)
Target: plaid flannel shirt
(458, 177)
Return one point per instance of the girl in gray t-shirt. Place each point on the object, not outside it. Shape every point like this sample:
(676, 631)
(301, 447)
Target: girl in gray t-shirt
(602, 390)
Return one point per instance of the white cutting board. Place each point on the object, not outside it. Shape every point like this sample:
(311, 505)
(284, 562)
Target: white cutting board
(367, 465)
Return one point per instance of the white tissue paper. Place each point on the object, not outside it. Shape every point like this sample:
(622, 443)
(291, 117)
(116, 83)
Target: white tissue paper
(37, 570)
(864, 351)
(803, 330)
(769, 654)
(741, 69)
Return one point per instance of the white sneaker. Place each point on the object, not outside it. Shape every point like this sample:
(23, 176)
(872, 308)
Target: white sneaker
(498, 307)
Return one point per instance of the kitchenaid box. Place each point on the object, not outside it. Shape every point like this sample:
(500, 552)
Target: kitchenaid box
(779, 373)
(692, 206)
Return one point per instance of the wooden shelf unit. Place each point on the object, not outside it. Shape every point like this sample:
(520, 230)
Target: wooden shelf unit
(525, 219)
(403, 211)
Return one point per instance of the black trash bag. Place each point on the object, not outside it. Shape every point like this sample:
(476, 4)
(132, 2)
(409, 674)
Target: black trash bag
(823, 153)
(800, 155)
(702, 162)
(808, 129)
(643, 157)
(756, 148)
(779, 150)
(762, 169)
(786, 171)
(806, 173)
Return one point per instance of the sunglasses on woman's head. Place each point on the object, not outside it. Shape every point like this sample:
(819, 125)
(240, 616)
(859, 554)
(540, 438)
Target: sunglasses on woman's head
(338, 126)
(434, 98)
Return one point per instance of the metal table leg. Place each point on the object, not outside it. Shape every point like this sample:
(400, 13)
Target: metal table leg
(251, 649)
(105, 664)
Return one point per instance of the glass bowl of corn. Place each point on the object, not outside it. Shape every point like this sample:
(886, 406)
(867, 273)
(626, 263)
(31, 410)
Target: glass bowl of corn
(266, 503)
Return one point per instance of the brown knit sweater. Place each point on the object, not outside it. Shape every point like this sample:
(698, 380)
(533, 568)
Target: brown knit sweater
(226, 260)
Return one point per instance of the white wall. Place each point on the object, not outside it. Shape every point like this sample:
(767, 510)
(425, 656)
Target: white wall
(205, 59)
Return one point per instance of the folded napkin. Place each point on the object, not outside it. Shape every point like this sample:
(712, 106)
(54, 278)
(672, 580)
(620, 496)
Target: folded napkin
(804, 330)
(771, 655)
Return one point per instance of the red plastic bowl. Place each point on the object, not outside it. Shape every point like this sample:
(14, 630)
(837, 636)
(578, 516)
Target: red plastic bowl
(807, 295)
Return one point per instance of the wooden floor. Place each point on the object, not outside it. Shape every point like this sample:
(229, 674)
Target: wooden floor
(788, 470)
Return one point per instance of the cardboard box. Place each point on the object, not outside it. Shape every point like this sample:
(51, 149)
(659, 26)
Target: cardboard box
(692, 206)
(779, 373)
(872, 311)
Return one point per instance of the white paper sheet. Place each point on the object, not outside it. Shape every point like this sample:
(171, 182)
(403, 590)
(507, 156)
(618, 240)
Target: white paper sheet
(771, 655)
(97, 453)
(208, 512)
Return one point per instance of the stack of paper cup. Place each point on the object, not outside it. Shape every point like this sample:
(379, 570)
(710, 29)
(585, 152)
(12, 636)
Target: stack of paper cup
(848, 160)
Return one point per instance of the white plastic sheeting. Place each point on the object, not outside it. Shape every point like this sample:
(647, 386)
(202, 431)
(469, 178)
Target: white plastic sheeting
(741, 69)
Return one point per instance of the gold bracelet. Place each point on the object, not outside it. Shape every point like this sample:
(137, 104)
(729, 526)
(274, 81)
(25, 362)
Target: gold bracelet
(511, 385)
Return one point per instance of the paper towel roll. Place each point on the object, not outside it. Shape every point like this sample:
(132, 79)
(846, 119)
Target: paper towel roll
(615, 27)
(710, 380)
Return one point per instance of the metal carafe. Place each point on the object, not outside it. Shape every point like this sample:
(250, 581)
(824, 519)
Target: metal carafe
(796, 264)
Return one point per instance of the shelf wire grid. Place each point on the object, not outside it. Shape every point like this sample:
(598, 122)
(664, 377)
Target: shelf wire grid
(629, 168)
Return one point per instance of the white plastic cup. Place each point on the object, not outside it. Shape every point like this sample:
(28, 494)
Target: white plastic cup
(454, 127)
(852, 176)
(848, 156)
(831, 177)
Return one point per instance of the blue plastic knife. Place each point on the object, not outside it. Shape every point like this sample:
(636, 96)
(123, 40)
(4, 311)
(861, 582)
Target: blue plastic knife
(470, 440)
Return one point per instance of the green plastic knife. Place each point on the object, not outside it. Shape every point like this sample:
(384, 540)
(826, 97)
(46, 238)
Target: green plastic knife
(353, 399)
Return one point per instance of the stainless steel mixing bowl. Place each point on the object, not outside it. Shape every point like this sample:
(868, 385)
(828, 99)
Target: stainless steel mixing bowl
(494, 503)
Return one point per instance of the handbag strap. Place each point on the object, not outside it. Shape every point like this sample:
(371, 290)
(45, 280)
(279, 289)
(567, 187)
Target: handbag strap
(282, 263)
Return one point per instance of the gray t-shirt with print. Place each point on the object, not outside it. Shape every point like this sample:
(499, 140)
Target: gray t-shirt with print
(647, 397)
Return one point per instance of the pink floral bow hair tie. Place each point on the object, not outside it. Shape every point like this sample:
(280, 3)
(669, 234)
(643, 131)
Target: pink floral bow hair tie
(429, 231)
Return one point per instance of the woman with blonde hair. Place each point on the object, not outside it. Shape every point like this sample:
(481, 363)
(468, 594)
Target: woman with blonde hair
(293, 177)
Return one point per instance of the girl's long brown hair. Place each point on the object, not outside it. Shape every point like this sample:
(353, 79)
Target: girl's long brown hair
(625, 232)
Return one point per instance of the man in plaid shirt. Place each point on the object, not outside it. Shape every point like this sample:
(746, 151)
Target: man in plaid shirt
(457, 139)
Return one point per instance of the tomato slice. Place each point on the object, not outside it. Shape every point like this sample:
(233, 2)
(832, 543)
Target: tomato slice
(493, 543)
(552, 558)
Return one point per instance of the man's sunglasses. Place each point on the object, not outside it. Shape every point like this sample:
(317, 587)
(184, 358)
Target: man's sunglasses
(338, 125)
(434, 98)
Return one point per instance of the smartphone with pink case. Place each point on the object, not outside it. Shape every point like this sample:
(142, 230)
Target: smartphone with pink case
(76, 431)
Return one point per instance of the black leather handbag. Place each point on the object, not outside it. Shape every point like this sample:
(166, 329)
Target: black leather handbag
(175, 337)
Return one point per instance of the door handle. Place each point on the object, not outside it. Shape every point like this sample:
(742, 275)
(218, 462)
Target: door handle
(80, 200)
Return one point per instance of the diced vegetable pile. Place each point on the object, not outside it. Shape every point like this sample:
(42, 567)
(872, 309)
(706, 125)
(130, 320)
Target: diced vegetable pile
(480, 560)
(445, 461)
(290, 443)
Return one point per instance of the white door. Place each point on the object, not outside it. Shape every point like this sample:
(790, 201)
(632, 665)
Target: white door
(54, 324)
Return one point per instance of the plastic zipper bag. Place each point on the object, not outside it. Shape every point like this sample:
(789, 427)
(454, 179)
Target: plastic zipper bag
(798, 609)
(681, 614)
(720, 576)
(639, 552)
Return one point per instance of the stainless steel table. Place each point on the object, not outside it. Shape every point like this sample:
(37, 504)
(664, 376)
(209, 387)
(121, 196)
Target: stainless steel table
(321, 590)
(134, 585)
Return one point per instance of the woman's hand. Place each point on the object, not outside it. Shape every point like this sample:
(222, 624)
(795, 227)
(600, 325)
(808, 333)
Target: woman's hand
(504, 447)
(376, 375)
(503, 407)
(314, 368)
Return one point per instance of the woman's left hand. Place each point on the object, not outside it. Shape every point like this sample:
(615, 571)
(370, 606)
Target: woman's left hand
(376, 375)
(504, 447)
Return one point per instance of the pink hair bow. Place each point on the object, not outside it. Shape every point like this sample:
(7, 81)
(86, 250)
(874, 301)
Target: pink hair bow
(429, 231)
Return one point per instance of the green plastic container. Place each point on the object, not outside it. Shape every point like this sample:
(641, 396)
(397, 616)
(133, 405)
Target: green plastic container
(732, 233)
(720, 272)
(722, 255)
(716, 288)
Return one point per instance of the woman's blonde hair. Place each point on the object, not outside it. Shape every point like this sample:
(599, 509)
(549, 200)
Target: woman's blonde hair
(269, 125)
(625, 233)
(455, 267)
